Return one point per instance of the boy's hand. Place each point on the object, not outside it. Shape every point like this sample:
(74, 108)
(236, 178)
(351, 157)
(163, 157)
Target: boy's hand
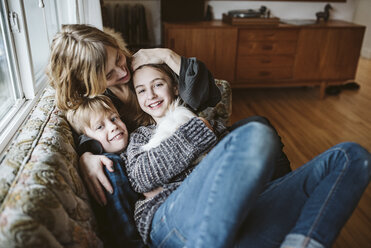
(91, 168)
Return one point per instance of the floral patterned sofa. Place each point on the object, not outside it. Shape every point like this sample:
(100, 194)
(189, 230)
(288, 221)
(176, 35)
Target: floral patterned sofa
(43, 201)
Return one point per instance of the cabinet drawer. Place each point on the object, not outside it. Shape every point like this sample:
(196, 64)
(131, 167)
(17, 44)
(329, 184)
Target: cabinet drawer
(268, 34)
(266, 61)
(245, 73)
(266, 47)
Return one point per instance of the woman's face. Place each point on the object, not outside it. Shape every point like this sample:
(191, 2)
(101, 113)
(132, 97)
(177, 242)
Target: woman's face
(154, 91)
(117, 71)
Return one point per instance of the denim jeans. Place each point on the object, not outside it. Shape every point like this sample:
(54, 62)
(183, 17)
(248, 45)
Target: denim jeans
(228, 202)
(282, 164)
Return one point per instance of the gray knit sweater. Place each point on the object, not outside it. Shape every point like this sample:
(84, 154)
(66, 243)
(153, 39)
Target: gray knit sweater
(166, 165)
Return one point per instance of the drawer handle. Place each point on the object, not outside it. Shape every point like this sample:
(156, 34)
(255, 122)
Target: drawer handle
(268, 35)
(267, 47)
(264, 73)
(265, 61)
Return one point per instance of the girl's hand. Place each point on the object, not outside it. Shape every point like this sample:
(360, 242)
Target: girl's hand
(91, 167)
(156, 56)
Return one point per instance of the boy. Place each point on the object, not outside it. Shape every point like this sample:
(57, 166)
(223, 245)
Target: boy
(99, 119)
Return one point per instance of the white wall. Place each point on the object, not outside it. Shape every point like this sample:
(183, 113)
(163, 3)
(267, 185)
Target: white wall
(363, 17)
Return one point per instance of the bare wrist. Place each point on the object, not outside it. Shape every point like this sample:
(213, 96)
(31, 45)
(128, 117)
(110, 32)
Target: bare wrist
(173, 60)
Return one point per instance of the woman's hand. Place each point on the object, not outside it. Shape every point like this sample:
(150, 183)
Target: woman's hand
(156, 56)
(91, 167)
(207, 123)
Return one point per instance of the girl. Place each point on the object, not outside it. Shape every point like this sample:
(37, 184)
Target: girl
(226, 200)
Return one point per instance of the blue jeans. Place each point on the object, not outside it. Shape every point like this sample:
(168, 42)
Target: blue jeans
(228, 202)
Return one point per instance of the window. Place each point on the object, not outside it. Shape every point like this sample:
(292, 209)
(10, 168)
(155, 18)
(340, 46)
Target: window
(27, 27)
(7, 93)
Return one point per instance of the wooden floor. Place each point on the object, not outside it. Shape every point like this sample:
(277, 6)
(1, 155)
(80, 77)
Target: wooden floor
(309, 126)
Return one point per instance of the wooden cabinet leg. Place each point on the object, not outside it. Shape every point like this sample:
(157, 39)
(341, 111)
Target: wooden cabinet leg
(322, 90)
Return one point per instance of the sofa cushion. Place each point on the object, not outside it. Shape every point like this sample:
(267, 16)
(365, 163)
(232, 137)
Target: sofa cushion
(223, 110)
(43, 201)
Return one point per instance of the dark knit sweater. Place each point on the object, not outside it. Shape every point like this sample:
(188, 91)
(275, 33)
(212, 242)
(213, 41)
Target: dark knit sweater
(166, 165)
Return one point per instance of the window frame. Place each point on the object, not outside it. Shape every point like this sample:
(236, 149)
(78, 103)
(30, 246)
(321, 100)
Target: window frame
(27, 89)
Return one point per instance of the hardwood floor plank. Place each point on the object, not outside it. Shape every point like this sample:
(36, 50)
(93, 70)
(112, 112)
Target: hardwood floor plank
(309, 126)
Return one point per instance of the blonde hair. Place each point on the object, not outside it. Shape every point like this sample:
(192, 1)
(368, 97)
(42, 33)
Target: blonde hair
(80, 117)
(77, 63)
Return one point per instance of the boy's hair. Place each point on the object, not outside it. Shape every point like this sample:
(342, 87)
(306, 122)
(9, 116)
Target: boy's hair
(77, 62)
(143, 118)
(80, 118)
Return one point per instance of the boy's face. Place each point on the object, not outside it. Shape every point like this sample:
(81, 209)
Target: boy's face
(117, 71)
(154, 91)
(109, 130)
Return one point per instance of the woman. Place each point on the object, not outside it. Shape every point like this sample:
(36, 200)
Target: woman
(85, 61)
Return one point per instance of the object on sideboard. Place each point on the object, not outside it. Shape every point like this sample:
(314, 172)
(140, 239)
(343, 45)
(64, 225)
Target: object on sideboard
(325, 15)
(266, 22)
(250, 13)
(209, 13)
(250, 17)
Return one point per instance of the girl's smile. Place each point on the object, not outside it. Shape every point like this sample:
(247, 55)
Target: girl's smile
(154, 90)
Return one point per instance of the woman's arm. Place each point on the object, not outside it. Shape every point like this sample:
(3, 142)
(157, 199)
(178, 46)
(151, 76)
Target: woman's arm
(148, 170)
(197, 85)
(156, 56)
(91, 168)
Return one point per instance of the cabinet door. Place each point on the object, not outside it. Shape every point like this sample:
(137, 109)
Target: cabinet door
(216, 47)
(328, 54)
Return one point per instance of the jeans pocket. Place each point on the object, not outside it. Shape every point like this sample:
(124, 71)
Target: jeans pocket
(164, 237)
(173, 239)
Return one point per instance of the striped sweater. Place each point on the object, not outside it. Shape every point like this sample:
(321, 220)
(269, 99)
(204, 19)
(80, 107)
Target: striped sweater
(166, 165)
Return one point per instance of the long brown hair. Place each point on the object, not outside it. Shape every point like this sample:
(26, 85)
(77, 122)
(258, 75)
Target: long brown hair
(77, 63)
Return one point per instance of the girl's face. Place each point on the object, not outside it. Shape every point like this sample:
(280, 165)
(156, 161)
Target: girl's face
(154, 91)
(117, 71)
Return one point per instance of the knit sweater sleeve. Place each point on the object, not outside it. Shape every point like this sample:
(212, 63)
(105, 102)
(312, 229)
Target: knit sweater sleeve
(148, 170)
(197, 86)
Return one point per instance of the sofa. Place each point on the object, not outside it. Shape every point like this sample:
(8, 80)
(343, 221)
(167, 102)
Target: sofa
(43, 201)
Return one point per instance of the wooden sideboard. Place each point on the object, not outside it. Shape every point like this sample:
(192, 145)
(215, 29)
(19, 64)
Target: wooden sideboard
(271, 56)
